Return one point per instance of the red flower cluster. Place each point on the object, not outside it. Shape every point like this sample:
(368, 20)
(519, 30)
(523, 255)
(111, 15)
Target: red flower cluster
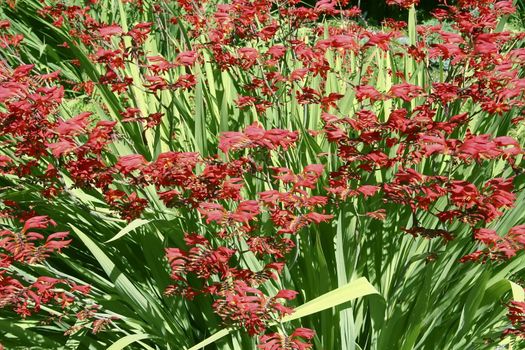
(402, 3)
(238, 301)
(276, 341)
(249, 307)
(498, 248)
(516, 315)
(22, 247)
(255, 136)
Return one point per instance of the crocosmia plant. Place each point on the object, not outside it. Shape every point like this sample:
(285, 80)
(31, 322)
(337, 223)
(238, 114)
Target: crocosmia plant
(261, 174)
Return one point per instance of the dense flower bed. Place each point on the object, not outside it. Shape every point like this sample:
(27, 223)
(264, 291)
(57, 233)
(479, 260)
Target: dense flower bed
(258, 124)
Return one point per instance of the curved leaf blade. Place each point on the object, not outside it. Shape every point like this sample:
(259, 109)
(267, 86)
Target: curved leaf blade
(129, 227)
(127, 340)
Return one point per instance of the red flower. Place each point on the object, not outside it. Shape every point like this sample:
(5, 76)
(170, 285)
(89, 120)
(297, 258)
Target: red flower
(366, 91)
(379, 214)
(406, 91)
(245, 101)
(129, 206)
(249, 307)
(73, 126)
(23, 246)
(108, 31)
(286, 294)
(498, 248)
(247, 57)
(368, 190)
(140, 32)
(403, 3)
(127, 164)
(61, 147)
(186, 58)
(275, 341)
(185, 81)
(255, 136)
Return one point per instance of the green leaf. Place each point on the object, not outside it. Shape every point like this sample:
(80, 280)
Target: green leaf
(141, 302)
(518, 294)
(26, 336)
(474, 299)
(129, 227)
(128, 339)
(353, 290)
(417, 318)
(212, 339)
(200, 117)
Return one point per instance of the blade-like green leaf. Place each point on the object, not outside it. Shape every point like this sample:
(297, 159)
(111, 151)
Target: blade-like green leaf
(353, 290)
(129, 227)
(127, 340)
